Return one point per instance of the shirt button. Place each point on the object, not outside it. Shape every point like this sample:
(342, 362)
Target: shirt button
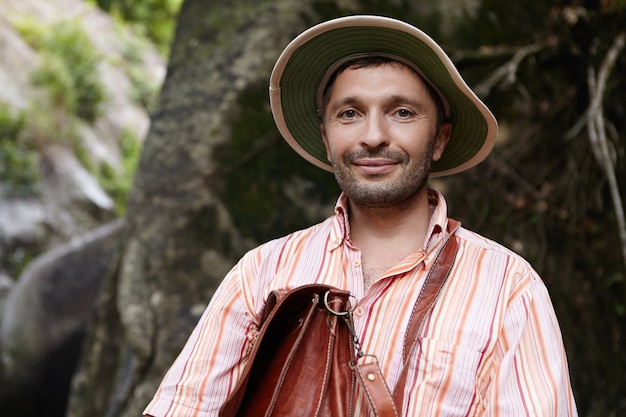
(356, 263)
(358, 311)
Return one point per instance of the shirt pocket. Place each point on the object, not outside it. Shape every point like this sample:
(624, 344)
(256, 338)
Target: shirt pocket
(446, 378)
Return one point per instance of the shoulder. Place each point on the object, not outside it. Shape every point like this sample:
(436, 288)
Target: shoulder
(493, 260)
(317, 233)
(281, 263)
(473, 239)
(269, 256)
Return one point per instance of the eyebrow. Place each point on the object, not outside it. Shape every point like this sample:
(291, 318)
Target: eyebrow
(409, 100)
(392, 100)
(346, 101)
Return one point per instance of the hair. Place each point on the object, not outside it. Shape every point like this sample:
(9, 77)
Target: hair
(375, 61)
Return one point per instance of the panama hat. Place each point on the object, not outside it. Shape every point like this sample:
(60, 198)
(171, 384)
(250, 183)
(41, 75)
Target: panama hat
(307, 63)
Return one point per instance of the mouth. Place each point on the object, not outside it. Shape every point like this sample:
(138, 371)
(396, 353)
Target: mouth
(375, 166)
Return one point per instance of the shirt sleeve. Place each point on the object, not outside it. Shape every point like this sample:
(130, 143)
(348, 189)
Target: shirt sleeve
(532, 378)
(209, 364)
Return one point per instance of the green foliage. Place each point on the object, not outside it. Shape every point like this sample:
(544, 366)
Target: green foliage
(31, 31)
(69, 70)
(69, 75)
(54, 77)
(19, 169)
(154, 19)
(144, 90)
(10, 125)
(119, 185)
(116, 182)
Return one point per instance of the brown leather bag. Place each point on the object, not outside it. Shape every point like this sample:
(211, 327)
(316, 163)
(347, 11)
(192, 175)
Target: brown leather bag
(304, 363)
(301, 361)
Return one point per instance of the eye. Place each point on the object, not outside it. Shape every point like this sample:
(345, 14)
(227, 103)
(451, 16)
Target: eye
(404, 113)
(348, 114)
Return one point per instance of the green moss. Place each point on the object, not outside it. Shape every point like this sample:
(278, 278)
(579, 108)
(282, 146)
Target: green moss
(115, 182)
(69, 68)
(144, 91)
(31, 31)
(19, 164)
(69, 74)
(144, 87)
(154, 19)
(10, 124)
(54, 77)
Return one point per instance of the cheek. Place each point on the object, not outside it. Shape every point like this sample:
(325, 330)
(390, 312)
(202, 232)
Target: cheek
(414, 140)
(335, 140)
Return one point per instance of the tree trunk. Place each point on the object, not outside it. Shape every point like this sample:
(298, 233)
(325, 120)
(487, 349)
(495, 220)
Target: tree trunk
(180, 240)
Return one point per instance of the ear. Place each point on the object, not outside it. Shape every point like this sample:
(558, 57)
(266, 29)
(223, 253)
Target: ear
(325, 140)
(443, 136)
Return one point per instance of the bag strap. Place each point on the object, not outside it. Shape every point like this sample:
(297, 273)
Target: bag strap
(435, 279)
(430, 290)
(371, 380)
(369, 376)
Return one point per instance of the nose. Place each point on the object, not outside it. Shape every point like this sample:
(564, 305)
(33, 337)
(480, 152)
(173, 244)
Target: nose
(375, 134)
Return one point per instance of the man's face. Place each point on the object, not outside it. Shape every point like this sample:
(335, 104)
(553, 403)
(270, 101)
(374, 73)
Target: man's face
(380, 134)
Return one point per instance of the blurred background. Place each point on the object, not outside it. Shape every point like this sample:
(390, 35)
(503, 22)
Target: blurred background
(139, 161)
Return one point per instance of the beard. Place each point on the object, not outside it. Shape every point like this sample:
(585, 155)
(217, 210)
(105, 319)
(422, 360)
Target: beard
(384, 193)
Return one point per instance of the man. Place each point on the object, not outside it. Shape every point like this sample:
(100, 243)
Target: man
(381, 105)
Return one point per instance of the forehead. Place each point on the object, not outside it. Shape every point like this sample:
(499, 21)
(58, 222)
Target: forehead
(378, 79)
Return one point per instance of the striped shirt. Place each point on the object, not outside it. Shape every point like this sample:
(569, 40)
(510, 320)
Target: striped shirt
(490, 347)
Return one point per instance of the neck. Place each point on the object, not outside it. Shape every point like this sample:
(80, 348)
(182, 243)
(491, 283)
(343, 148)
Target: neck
(405, 223)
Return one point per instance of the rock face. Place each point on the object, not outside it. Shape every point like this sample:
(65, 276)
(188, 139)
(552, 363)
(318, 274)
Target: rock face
(44, 320)
(70, 226)
(70, 200)
(54, 297)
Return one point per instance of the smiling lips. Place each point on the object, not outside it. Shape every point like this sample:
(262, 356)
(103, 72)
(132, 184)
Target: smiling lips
(375, 166)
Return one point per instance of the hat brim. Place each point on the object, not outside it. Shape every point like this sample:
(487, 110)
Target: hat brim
(303, 65)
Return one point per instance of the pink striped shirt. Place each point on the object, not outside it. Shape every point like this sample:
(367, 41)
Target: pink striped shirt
(491, 346)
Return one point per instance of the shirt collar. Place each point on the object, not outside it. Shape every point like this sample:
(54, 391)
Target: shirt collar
(439, 229)
(341, 226)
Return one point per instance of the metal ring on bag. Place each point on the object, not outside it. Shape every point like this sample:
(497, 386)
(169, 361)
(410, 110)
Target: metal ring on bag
(329, 308)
